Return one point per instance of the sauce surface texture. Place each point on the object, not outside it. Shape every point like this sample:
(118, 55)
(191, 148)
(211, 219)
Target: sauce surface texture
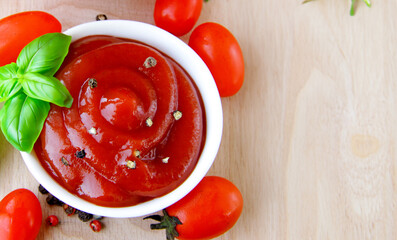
(120, 143)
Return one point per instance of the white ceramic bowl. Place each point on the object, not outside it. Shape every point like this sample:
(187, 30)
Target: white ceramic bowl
(196, 68)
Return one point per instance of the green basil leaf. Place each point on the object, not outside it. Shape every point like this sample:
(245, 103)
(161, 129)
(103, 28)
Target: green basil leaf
(22, 119)
(46, 88)
(8, 71)
(9, 88)
(45, 54)
(9, 84)
(1, 115)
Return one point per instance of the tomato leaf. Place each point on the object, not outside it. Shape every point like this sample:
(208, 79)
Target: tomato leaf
(22, 119)
(9, 84)
(46, 88)
(167, 222)
(44, 55)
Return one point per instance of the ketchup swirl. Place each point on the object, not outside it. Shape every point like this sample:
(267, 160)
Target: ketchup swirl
(125, 117)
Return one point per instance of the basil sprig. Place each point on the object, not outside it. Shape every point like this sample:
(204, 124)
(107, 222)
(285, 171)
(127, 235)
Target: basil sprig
(28, 87)
(352, 6)
(352, 11)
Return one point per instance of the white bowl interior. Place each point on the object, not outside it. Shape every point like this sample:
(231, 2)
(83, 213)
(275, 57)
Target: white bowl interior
(196, 68)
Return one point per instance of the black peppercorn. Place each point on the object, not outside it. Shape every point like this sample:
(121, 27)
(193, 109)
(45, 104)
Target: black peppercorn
(83, 216)
(64, 161)
(101, 17)
(97, 217)
(80, 154)
(52, 200)
(42, 190)
(92, 83)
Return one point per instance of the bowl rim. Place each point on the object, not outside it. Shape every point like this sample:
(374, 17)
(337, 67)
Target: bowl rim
(196, 68)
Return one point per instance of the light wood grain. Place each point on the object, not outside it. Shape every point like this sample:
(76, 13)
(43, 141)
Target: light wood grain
(311, 137)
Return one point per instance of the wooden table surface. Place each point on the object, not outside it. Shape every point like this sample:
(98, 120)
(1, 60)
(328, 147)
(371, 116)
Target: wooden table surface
(310, 140)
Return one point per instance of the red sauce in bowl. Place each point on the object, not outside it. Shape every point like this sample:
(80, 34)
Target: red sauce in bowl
(123, 117)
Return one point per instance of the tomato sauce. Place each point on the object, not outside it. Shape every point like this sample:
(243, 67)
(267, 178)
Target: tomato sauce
(123, 117)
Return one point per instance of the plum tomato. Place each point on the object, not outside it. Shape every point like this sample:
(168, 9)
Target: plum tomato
(19, 29)
(208, 211)
(222, 54)
(20, 215)
(177, 16)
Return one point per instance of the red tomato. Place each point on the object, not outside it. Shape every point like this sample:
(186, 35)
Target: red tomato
(221, 52)
(20, 216)
(177, 16)
(17, 30)
(209, 210)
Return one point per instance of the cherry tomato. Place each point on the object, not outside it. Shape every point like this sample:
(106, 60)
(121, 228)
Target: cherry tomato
(17, 30)
(209, 210)
(177, 16)
(221, 52)
(20, 215)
